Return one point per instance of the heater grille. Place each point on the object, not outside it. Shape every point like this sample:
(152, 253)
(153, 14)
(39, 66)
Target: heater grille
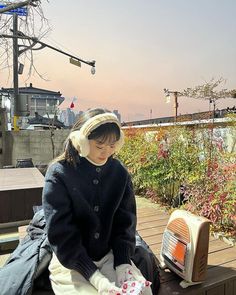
(179, 227)
(174, 250)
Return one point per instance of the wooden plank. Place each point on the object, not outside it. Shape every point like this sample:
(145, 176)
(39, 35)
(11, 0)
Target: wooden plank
(152, 240)
(222, 256)
(230, 287)
(22, 231)
(151, 215)
(219, 290)
(220, 273)
(156, 248)
(8, 245)
(3, 259)
(154, 208)
(20, 178)
(8, 242)
(173, 288)
(148, 217)
(150, 224)
(23, 200)
(216, 245)
(152, 231)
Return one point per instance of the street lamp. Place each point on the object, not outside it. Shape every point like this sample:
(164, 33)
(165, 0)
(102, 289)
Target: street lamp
(19, 69)
(176, 104)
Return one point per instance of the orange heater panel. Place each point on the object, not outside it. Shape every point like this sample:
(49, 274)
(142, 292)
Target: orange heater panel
(179, 252)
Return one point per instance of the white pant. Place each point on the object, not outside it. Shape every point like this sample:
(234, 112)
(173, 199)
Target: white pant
(70, 282)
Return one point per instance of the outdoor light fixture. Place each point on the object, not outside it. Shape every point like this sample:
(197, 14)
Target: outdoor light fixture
(93, 71)
(167, 95)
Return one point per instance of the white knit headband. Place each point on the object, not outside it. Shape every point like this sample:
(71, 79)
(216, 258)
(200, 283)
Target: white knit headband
(79, 138)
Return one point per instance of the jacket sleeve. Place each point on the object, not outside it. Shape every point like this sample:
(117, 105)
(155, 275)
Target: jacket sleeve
(63, 234)
(124, 227)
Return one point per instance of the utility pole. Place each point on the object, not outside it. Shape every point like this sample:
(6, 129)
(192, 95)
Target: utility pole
(15, 10)
(176, 104)
(15, 73)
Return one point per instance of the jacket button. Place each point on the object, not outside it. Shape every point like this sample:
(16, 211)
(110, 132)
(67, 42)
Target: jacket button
(96, 208)
(98, 169)
(96, 236)
(95, 181)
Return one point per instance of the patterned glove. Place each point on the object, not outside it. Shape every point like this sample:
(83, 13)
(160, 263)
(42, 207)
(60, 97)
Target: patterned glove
(130, 280)
(103, 285)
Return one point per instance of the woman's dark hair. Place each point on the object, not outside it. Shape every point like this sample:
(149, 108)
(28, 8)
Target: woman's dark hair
(106, 131)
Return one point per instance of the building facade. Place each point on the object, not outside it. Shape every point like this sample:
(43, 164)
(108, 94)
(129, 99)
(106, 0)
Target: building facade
(34, 100)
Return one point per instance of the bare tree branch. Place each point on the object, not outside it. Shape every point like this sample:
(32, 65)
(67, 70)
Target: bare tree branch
(27, 25)
(209, 91)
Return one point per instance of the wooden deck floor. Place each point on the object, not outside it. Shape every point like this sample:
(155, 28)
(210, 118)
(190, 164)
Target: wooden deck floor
(221, 272)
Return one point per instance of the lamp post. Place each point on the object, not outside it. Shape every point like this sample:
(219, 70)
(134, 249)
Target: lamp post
(20, 9)
(176, 104)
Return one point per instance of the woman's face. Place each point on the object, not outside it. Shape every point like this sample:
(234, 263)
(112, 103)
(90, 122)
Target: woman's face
(101, 151)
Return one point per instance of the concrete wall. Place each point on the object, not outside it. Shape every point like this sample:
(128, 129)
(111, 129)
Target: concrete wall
(35, 144)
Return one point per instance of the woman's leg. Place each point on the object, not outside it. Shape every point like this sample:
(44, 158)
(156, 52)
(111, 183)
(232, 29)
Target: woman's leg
(68, 282)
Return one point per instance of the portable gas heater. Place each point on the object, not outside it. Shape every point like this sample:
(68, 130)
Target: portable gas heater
(185, 245)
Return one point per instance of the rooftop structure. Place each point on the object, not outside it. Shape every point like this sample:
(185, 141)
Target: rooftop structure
(34, 99)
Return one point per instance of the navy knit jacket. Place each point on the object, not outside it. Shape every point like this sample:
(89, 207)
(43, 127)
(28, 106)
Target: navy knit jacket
(89, 210)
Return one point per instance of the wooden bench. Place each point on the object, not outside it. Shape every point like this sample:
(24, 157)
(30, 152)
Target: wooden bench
(20, 190)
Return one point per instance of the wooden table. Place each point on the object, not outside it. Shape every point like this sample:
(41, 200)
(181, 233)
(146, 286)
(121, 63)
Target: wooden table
(20, 190)
(221, 272)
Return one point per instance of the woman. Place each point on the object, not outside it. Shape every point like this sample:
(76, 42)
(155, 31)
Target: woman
(90, 212)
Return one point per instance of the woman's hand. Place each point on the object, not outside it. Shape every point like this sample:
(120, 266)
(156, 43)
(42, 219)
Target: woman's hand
(103, 285)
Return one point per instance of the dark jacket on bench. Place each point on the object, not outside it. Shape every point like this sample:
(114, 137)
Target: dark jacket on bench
(28, 261)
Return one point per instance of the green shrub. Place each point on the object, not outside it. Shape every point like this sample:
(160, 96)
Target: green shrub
(160, 161)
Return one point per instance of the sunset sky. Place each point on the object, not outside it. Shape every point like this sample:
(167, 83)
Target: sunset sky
(140, 48)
